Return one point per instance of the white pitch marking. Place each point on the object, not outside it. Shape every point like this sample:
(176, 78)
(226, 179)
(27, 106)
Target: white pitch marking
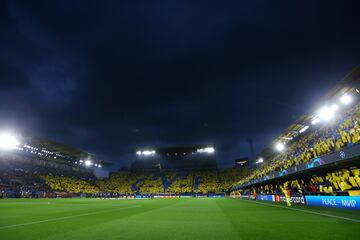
(306, 211)
(61, 218)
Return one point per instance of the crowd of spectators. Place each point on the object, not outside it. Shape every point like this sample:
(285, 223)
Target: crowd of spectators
(126, 183)
(342, 132)
(21, 183)
(38, 180)
(27, 180)
(179, 182)
(70, 184)
(120, 182)
(331, 183)
(342, 180)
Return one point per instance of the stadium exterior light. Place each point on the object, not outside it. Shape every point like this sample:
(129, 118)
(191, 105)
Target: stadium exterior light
(88, 163)
(303, 129)
(260, 160)
(99, 165)
(345, 99)
(8, 141)
(138, 153)
(279, 146)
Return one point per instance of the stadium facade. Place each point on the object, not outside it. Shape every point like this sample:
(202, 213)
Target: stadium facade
(199, 157)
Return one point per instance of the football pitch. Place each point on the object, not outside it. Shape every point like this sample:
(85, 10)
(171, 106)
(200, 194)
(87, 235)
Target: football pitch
(193, 218)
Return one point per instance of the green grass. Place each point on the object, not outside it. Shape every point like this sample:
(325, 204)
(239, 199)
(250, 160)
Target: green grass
(193, 218)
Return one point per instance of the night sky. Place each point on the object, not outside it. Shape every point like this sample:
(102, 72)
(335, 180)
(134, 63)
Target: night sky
(110, 76)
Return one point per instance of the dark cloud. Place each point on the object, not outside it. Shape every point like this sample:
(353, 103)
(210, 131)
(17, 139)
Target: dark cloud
(110, 76)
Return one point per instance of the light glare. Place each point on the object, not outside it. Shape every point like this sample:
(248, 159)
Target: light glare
(315, 121)
(147, 152)
(279, 146)
(8, 141)
(303, 129)
(325, 114)
(334, 107)
(209, 150)
(206, 150)
(345, 99)
(88, 163)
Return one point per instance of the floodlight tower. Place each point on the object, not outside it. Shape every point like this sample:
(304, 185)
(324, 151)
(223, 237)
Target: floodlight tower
(252, 151)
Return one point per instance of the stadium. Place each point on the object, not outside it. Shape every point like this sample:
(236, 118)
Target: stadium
(307, 178)
(179, 120)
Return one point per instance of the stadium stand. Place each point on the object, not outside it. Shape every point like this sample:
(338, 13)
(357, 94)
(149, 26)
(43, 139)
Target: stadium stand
(315, 157)
(343, 133)
(180, 183)
(69, 184)
(41, 168)
(123, 183)
(117, 183)
(330, 183)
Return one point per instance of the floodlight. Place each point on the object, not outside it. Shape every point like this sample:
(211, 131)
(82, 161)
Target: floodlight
(206, 150)
(315, 121)
(279, 146)
(99, 165)
(148, 152)
(88, 163)
(345, 99)
(209, 150)
(8, 141)
(303, 129)
(138, 153)
(334, 107)
(326, 113)
(260, 160)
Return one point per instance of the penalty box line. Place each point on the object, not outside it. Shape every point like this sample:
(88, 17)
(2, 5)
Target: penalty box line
(305, 211)
(62, 218)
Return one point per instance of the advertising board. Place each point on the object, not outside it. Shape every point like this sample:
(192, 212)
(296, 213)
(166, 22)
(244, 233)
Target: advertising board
(346, 202)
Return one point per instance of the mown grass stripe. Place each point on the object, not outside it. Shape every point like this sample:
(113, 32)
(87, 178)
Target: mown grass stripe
(63, 218)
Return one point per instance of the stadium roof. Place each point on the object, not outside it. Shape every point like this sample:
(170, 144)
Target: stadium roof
(63, 149)
(347, 84)
(70, 153)
(179, 147)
